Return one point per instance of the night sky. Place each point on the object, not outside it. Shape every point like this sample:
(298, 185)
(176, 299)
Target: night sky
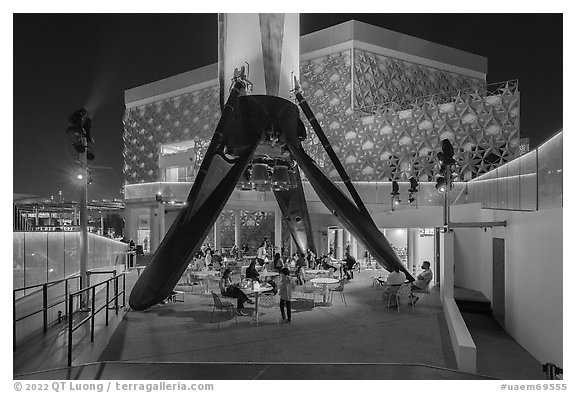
(64, 62)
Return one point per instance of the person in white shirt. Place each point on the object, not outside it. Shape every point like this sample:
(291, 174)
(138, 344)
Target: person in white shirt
(422, 281)
(393, 282)
(261, 256)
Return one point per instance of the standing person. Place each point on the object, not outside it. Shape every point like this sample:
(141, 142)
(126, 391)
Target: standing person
(286, 287)
(208, 257)
(261, 256)
(348, 265)
(277, 263)
(300, 264)
(234, 252)
(231, 290)
(132, 248)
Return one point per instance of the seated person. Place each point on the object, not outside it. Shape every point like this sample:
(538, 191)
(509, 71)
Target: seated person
(422, 280)
(216, 260)
(348, 266)
(232, 290)
(325, 263)
(251, 272)
(393, 282)
(272, 283)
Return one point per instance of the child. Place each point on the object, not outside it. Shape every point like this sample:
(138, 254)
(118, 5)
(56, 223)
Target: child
(286, 287)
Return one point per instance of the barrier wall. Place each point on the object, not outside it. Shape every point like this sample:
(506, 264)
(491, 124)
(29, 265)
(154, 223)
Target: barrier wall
(40, 257)
(530, 182)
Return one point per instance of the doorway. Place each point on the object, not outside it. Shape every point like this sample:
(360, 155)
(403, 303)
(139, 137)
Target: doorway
(498, 281)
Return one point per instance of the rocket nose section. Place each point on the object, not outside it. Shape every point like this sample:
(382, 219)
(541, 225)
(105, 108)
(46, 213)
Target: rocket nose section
(143, 296)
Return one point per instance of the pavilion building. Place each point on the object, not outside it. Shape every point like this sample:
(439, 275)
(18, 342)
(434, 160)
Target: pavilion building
(385, 101)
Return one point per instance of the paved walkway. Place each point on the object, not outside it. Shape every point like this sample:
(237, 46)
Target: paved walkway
(174, 336)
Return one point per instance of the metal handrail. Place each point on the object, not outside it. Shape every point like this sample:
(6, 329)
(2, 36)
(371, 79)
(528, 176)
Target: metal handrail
(408, 103)
(93, 311)
(45, 306)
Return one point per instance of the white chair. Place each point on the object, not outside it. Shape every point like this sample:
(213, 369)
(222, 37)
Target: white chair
(221, 305)
(340, 290)
(309, 289)
(268, 300)
(405, 291)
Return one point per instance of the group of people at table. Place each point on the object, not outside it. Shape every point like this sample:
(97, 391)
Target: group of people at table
(282, 275)
(396, 278)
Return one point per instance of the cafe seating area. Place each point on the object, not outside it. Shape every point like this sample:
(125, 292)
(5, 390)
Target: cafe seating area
(363, 328)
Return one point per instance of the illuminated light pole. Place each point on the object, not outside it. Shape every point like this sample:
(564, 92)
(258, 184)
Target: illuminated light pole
(444, 182)
(80, 136)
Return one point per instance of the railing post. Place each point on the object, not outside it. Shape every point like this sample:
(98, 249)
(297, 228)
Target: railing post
(107, 300)
(70, 313)
(45, 306)
(92, 312)
(14, 320)
(65, 298)
(124, 290)
(116, 294)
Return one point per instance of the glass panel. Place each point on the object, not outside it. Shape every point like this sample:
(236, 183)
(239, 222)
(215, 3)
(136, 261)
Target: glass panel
(71, 253)
(493, 200)
(35, 259)
(528, 191)
(514, 192)
(91, 253)
(18, 261)
(55, 255)
(550, 173)
(502, 187)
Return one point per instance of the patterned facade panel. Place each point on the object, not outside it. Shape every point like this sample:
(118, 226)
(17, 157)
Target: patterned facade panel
(390, 142)
(381, 80)
(400, 140)
(326, 82)
(191, 116)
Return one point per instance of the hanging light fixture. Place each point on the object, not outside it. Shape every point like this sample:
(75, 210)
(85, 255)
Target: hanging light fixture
(441, 185)
(244, 183)
(280, 179)
(292, 179)
(395, 193)
(259, 177)
(413, 189)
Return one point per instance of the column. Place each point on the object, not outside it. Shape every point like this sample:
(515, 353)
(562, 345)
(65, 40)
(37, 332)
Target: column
(340, 243)
(217, 234)
(347, 241)
(278, 228)
(411, 248)
(161, 221)
(129, 224)
(237, 226)
(354, 249)
(446, 265)
(154, 230)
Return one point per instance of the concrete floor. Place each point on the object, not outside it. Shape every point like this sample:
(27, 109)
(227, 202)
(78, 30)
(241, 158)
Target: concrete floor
(179, 337)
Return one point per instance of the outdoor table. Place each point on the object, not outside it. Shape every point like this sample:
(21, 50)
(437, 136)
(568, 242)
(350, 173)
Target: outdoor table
(205, 275)
(256, 292)
(269, 274)
(316, 271)
(324, 281)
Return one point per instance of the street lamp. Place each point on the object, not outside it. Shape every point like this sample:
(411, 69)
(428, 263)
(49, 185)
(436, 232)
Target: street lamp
(80, 134)
(413, 189)
(444, 181)
(395, 194)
